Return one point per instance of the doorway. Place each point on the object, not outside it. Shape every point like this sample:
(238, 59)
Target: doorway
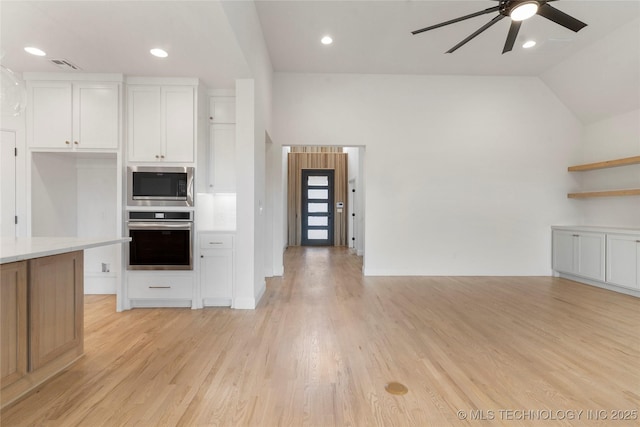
(317, 207)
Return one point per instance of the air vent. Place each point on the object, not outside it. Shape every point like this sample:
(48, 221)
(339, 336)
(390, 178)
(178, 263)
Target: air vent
(65, 65)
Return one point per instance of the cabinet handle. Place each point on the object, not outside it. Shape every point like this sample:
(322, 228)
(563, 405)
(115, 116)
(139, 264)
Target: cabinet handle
(159, 287)
(157, 157)
(67, 142)
(76, 142)
(637, 241)
(201, 256)
(575, 235)
(161, 156)
(215, 243)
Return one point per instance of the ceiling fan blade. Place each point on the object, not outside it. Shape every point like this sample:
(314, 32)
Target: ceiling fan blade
(453, 21)
(561, 18)
(481, 29)
(511, 37)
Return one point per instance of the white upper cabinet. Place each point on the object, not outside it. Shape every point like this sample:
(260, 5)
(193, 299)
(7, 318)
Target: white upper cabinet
(222, 109)
(179, 123)
(73, 115)
(144, 123)
(222, 162)
(161, 123)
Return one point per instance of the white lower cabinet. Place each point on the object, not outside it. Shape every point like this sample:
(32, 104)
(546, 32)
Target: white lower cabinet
(623, 260)
(600, 256)
(580, 253)
(160, 288)
(216, 269)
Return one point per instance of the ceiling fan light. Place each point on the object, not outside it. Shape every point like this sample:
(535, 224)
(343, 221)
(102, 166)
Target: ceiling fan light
(529, 44)
(524, 11)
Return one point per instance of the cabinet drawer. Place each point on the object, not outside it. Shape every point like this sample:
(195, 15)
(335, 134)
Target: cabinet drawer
(160, 286)
(216, 241)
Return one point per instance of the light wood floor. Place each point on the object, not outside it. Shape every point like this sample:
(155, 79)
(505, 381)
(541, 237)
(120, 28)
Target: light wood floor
(324, 341)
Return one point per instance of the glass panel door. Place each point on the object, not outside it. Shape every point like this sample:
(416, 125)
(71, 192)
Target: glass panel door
(317, 207)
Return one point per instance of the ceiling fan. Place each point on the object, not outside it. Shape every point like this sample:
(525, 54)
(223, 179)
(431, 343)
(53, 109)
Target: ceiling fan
(518, 11)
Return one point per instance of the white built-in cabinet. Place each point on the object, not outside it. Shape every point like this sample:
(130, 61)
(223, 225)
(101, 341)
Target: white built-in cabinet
(216, 268)
(580, 253)
(73, 165)
(607, 257)
(623, 260)
(161, 125)
(222, 145)
(73, 115)
(222, 109)
(222, 172)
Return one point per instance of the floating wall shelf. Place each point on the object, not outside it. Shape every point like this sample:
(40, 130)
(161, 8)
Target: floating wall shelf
(608, 193)
(606, 164)
(603, 165)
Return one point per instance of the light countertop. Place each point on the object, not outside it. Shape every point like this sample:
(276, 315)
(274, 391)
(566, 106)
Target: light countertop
(21, 248)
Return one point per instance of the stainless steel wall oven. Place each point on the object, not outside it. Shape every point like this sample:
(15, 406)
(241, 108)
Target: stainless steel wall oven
(160, 240)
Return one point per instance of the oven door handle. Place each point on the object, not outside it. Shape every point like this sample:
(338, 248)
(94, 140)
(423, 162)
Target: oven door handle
(159, 226)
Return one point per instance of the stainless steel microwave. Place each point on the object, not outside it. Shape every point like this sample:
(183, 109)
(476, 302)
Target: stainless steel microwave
(159, 186)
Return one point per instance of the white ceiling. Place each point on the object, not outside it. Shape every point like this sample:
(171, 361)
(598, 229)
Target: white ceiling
(370, 37)
(375, 36)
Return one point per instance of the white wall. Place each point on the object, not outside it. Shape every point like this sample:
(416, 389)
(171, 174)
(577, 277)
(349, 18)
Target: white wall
(243, 18)
(601, 85)
(464, 175)
(54, 197)
(612, 138)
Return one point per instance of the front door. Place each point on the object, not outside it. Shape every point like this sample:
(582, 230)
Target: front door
(317, 207)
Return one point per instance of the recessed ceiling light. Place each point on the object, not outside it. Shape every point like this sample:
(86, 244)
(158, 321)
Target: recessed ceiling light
(326, 40)
(160, 53)
(524, 11)
(529, 44)
(34, 51)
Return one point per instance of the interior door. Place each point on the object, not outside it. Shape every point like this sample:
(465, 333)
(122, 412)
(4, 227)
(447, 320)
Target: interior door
(317, 207)
(8, 183)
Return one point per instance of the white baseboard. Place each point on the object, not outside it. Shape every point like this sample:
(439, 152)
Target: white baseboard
(250, 303)
(216, 302)
(159, 303)
(626, 291)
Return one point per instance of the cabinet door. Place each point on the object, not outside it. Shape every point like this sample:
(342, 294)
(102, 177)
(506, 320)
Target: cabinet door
(13, 328)
(623, 260)
(222, 109)
(563, 251)
(56, 301)
(216, 277)
(223, 158)
(96, 116)
(179, 123)
(50, 115)
(590, 259)
(144, 123)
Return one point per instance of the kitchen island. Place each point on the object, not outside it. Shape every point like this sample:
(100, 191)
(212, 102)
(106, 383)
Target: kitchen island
(41, 306)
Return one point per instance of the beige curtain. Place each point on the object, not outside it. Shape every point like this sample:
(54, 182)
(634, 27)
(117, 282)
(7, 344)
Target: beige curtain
(317, 160)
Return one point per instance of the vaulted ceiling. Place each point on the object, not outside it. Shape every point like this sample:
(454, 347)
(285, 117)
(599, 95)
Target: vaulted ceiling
(369, 37)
